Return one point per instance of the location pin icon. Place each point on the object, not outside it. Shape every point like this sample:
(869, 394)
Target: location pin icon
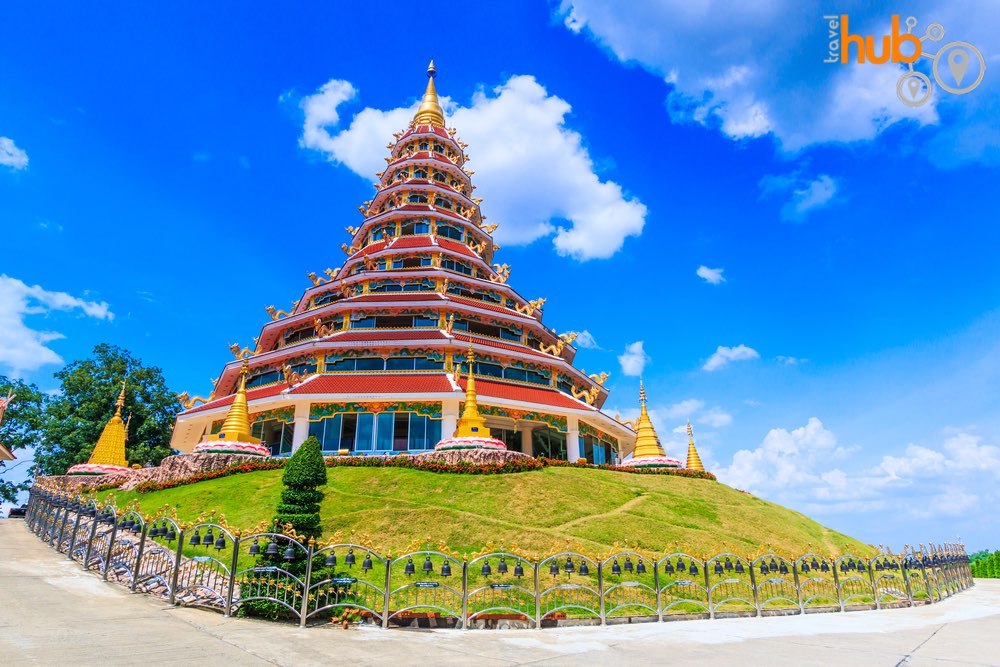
(958, 63)
(914, 86)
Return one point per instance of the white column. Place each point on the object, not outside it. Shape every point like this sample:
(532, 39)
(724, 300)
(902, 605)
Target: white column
(300, 424)
(449, 417)
(572, 438)
(526, 445)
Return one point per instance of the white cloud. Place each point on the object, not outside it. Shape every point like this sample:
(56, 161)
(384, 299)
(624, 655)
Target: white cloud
(710, 276)
(23, 348)
(805, 468)
(634, 360)
(683, 409)
(12, 156)
(804, 195)
(516, 132)
(785, 459)
(585, 341)
(723, 355)
(790, 361)
(716, 418)
(751, 69)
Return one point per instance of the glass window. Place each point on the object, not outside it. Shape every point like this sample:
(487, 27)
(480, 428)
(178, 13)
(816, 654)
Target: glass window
(348, 432)
(401, 423)
(535, 377)
(363, 323)
(490, 370)
(419, 172)
(383, 432)
(548, 443)
(269, 377)
(369, 364)
(426, 364)
(365, 432)
(327, 431)
(333, 364)
(510, 335)
(517, 374)
(449, 231)
(399, 364)
(418, 432)
(421, 321)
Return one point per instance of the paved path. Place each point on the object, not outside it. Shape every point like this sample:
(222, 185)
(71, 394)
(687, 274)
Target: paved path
(53, 613)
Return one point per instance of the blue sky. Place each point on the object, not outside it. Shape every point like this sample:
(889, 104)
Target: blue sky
(791, 257)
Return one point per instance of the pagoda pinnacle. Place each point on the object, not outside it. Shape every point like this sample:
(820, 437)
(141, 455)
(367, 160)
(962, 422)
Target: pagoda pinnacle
(110, 447)
(430, 111)
(471, 423)
(236, 428)
(694, 461)
(646, 441)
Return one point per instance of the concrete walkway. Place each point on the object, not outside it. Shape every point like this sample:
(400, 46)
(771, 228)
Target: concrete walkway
(53, 613)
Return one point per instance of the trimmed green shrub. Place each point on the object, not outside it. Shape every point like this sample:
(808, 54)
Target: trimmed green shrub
(300, 499)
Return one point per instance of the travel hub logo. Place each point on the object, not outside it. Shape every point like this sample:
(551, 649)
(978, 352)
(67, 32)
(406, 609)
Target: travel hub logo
(956, 67)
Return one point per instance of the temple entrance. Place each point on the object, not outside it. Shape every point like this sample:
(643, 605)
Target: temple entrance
(508, 436)
(548, 443)
(276, 435)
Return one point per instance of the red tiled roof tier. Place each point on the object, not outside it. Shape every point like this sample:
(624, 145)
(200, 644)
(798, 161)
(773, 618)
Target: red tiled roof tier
(499, 344)
(483, 304)
(403, 242)
(397, 296)
(488, 388)
(252, 395)
(448, 244)
(394, 383)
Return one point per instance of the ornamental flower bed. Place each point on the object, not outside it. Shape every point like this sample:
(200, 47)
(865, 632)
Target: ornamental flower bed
(520, 464)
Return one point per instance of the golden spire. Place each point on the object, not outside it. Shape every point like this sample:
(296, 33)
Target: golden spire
(694, 461)
(236, 428)
(471, 423)
(646, 441)
(430, 112)
(110, 447)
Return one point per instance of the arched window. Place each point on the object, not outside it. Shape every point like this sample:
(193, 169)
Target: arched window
(442, 202)
(438, 148)
(419, 172)
(417, 198)
(439, 176)
(449, 231)
(424, 145)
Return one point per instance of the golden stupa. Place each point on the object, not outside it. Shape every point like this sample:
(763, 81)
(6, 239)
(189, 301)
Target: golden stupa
(236, 428)
(648, 451)
(694, 461)
(109, 452)
(110, 447)
(471, 423)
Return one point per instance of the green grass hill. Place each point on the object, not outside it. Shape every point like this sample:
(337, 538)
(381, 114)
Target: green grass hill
(539, 511)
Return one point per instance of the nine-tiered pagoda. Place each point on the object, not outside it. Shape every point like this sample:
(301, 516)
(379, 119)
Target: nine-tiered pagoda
(367, 359)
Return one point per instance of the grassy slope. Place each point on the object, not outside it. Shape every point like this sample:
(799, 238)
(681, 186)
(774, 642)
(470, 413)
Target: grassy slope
(536, 511)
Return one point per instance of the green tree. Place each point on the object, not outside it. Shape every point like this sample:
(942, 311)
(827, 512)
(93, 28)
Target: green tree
(74, 420)
(21, 428)
(300, 498)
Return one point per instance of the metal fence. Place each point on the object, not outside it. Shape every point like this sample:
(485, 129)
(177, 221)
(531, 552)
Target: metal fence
(208, 565)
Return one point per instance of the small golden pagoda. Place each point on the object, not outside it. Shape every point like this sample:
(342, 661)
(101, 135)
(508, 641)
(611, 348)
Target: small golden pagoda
(471, 423)
(236, 428)
(648, 451)
(109, 452)
(694, 461)
(234, 437)
(647, 443)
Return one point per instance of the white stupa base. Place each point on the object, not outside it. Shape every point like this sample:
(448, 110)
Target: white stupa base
(97, 469)
(231, 447)
(469, 442)
(651, 462)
